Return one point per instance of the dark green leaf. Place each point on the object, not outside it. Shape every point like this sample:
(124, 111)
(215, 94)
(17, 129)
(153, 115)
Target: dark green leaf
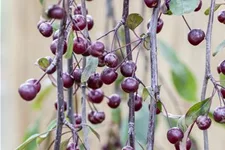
(43, 63)
(207, 11)
(44, 93)
(69, 50)
(94, 132)
(92, 64)
(133, 20)
(222, 79)
(180, 7)
(183, 79)
(116, 115)
(220, 47)
(63, 145)
(200, 108)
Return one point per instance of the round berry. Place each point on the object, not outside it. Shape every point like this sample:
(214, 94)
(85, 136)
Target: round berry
(219, 114)
(94, 81)
(56, 12)
(45, 29)
(221, 17)
(174, 135)
(79, 22)
(127, 148)
(79, 45)
(77, 10)
(222, 67)
(222, 90)
(114, 101)
(27, 91)
(65, 105)
(77, 118)
(111, 60)
(91, 117)
(203, 122)
(77, 75)
(34, 82)
(137, 102)
(128, 68)
(90, 22)
(99, 116)
(97, 48)
(130, 84)
(95, 96)
(199, 6)
(54, 46)
(68, 80)
(151, 3)
(196, 36)
(108, 76)
(188, 145)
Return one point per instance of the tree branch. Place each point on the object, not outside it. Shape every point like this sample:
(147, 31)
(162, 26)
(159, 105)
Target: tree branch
(154, 76)
(207, 64)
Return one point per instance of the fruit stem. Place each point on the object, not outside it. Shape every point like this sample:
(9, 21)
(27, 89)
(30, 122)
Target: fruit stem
(154, 76)
(186, 22)
(207, 64)
(39, 80)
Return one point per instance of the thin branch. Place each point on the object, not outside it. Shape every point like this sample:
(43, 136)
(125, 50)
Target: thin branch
(60, 96)
(154, 76)
(207, 64)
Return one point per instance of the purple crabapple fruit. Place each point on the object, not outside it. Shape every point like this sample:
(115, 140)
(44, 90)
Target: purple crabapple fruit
(55, 12)
(175, 135)
(196, 36)
(114, 101)
(95, 96)
(27, 91)
(203, 122)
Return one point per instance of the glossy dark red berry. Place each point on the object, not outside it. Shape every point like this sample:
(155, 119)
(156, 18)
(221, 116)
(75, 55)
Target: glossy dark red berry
(90, 22)
(80, 45)
(77, 10)
(99, 116)
(222, 91)
(222, 67)
(137, 102)
(36, 85)
(114, 101)
(188, 145)
(221, 17)
(94, 81)
(128, 68)
(108, 75)
(77, 118)
(151, 3)
(45, 29)
(68, 80)
(196, 36)
(219, 114)
(95, 96)
(97, 48)
(79, 22)
(54, 46)
(174, 135)
(77, 75)
(203, 122)
(199, 6)
(27, 91)
(130, 84)
(91, 117)
(127, 148)
(65, 105)
(111, 60)
(55, 12)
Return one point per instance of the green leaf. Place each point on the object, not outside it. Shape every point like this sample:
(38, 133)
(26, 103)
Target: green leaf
(94, 132)
(200, 108)
(172, 119)
(28, 141)
(63, 145)
(146, 43)
(92, 64)
(222, 79)
(180, 7)
(37, 105)
(43, 63)
(50, 127)
(182, 124)
(146, 92)
(69, 50)
(182, 77)
(116, 115)
(220, 47)
(207, 11)
(133, 20)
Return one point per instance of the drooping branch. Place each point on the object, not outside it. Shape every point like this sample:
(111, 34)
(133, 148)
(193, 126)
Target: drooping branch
(60, 96)
(131, 119)
(207, 64)
(154, 76)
